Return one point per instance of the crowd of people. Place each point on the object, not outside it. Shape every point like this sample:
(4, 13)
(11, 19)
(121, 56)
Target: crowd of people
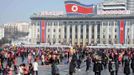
(100, 59)
(31, 58)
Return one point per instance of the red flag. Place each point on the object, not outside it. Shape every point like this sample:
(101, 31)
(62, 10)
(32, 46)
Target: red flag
(78, 8)
(43, 29)
(122, 31)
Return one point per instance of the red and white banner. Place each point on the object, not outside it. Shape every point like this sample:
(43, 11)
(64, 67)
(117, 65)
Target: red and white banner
(43, 31)
(78, 8)
(122, 31)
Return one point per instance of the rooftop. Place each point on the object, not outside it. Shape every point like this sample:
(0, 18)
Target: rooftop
(84, 17)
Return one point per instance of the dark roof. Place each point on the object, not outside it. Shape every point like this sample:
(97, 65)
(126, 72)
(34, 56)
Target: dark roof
(96, 17)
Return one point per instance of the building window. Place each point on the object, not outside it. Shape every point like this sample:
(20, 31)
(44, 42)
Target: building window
(70, 29)
(53, 36)
(64, 22)
(98, 36)
(65, 36)
(59, 36)
(48, 30)
(128, 37)
(65, 30)
(87, 29)
(59, 30)
(38, 30)
(76, 29)
(115, 29)
(59, 42)
(54, 30)
(48, 36)
(81, 36)
(128, 30)
(54, 23)
(38, 36)
(76, 36)
(115, 36)
(70, 35)
(49, 23)
(38, 24)
(110, 36)
(103, 36)
(86, 36)
(81, 28)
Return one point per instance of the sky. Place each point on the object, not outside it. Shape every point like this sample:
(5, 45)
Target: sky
(21, 10)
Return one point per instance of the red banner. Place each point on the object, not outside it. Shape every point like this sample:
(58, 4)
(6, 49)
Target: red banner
(122, 31)
(43, 31)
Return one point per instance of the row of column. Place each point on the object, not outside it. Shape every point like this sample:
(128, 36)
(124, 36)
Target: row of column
(105, 30)
(80, 40)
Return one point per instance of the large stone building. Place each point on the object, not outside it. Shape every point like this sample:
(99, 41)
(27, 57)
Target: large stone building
(112, 23)
(86, 30)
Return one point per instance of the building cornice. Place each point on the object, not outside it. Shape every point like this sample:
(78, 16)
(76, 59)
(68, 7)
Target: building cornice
(97, 17)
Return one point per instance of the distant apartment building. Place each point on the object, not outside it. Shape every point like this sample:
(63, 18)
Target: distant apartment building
(130, 6)
(113, 7)
(34, 34)
(17, 26)
(1, 32)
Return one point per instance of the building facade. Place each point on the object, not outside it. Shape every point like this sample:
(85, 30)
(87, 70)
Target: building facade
(1, 32)
(86, 30)
(17, 26)
(33, 35)
(112, 7)
(130, 6)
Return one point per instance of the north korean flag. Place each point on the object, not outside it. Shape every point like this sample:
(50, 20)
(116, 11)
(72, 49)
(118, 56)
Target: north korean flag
(78, 8)
(122, 31)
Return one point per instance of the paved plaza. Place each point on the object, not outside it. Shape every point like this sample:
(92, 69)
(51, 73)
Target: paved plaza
(46, 70)
(64, 69)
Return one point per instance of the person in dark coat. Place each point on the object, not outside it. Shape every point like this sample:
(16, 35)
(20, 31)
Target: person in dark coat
(98, 67)
(31, 71)
(72, 67)
(55, 69)
(117, 67)
(74, 57)
(112, 67)
(104, 60)
(79, 60)
(88, 62)
(126, 68)
(132, 63)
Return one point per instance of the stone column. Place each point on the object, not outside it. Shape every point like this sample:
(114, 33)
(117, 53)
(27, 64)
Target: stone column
(107, 34)
(57, 33)
(62, 33)
(101, 33)
(73, 34)
(79, 33)
(132, 33)
(84, 35)
(126, 34)
(113, 33)
(52, 33)
(95, 34)
(90, 34)
(68, 34)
